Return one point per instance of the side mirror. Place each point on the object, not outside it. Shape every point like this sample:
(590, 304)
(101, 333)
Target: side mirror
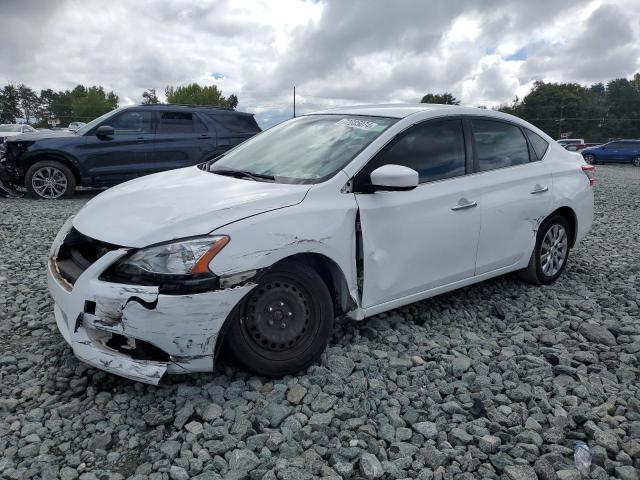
(394, 178)
(105, 131)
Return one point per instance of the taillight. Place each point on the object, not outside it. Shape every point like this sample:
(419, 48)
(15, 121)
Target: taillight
(589, 171)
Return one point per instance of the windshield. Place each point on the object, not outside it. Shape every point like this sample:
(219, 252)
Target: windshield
(10, 128)
(305, 149)
(84, 129)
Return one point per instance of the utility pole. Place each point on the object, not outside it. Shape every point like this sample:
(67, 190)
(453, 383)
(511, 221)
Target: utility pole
(294, 101)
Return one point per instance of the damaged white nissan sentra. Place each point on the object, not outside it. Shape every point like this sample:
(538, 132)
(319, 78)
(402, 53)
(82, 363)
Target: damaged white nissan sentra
(345, 212)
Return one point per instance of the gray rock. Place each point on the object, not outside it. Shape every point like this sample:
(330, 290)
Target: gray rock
(627, 472)
(296, 393)
(597, 334)
(520, 472)
(68, 473)
(342, 366)
(170, 448)
(370, 466)
(276, 413)
(489, 443)
(178, 473)
(569, 474)
(459, 365)
(243, 460)
(428, 430)
(323, 402)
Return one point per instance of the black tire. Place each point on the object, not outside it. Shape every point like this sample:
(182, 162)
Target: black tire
(536, 272)
(636, 162)
(590, 159)
(292, 295)
(56, 170)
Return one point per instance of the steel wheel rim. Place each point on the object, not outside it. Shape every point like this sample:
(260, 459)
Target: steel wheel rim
(49, 182)
(277, 317)
(553, 250)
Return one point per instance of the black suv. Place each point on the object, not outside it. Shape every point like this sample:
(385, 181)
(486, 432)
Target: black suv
(123, 144)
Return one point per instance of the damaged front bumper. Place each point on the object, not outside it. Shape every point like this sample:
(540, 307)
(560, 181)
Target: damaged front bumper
(132, 330)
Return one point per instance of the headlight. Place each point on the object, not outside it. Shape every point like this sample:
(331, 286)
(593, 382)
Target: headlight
(179, 258)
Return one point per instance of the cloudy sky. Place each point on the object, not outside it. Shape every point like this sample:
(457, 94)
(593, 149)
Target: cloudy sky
(335, 52)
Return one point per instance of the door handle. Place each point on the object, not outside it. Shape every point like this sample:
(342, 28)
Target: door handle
(539, 189)
(140, 140)
(464, 206)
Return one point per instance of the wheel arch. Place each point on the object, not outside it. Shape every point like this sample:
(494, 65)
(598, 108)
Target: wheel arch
(330, 272)
(53, 156)
(570, 216)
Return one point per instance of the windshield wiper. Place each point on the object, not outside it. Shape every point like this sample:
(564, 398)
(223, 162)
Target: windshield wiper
(244, 174)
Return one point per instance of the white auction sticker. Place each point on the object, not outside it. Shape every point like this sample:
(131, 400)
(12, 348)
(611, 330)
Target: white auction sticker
(354, 123)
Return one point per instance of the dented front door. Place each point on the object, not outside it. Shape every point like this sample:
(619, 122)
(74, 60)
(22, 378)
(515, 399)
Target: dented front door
(417, 240)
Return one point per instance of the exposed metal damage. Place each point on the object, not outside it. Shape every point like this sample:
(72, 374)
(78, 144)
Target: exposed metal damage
(137, 332)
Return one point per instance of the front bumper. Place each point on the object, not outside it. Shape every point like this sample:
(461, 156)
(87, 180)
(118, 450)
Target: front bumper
(91, 313)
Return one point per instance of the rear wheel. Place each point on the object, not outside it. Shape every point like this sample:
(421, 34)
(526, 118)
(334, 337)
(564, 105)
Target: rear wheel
(50, 180)
(590, 159)
(284, 324)
(636, 162)
(551, 252)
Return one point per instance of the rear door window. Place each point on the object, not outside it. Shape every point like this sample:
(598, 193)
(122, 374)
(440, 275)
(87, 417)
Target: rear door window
(499, 144)
(180, 122)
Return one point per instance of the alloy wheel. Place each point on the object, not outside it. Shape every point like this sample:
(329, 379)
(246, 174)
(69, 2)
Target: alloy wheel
(636, 162)
(590, 159)
(49, 182)
(553, 250)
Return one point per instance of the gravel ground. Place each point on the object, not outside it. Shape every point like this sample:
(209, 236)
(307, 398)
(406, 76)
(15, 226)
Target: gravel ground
(498, 380)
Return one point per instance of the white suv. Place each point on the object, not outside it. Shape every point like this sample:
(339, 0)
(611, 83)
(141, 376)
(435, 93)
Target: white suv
(350, 212)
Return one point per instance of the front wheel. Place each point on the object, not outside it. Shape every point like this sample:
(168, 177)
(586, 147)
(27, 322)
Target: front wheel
(590, 159)
(50, 180)
(284, 324)
(636, 162)
(551, 252)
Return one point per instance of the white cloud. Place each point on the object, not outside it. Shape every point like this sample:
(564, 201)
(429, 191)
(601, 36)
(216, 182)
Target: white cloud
(335, 52)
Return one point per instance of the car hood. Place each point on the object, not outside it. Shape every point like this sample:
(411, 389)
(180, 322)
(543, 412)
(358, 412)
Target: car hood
(178, 204)
(35, 136)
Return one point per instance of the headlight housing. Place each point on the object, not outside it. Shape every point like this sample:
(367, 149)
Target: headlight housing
(175, 266)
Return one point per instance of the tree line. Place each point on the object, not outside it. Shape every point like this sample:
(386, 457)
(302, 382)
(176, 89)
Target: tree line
(597, 112)
(84, 103)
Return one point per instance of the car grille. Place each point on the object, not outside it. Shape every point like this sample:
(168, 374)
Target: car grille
(77, 253)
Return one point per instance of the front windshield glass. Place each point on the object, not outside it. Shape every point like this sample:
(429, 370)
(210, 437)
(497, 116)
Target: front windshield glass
(84, 129)
(305, 149)
(10, 128)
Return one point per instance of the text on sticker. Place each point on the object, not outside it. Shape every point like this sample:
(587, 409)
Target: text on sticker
(354, 123)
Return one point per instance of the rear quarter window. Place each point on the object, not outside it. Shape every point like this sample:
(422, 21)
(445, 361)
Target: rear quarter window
(235, 124)
(539, 144)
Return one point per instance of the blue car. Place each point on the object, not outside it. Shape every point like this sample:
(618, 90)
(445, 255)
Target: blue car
(618, 151)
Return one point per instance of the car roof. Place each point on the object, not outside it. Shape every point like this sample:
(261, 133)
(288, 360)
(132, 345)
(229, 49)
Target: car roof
(182, 106)
(403, 110)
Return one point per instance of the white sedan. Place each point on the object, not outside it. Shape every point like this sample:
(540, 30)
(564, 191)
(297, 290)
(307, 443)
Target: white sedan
(13, 129)
(352, 211)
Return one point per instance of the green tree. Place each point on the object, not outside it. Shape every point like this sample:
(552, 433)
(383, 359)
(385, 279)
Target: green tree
(195, 94)
(9, 104)
(441, 98)
(150, 97)
(232, 101)
(559, 108)
(29, 102)
(88, 103)
(623, 101)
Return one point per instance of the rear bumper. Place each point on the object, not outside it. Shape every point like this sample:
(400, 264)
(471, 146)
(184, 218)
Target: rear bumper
(181, 329)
